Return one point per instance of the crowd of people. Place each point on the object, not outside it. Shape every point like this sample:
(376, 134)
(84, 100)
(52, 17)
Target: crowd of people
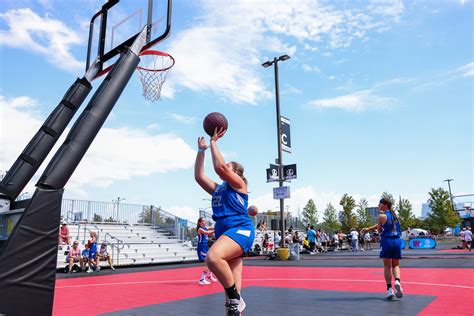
(89, 258)
(315, 241)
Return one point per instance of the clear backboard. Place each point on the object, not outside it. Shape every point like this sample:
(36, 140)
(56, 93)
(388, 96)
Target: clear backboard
(118, 23)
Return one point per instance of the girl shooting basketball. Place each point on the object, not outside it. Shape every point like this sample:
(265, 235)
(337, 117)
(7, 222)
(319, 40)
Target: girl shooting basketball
(234, 229)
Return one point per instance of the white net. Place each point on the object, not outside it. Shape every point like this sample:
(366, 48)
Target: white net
(153, 72)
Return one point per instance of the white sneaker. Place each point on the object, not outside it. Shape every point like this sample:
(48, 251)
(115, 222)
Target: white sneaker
(89, 270)
(390, 294)
(398, 287)
(204, 282)
(212, 278)
(235, 307)
(242, 305)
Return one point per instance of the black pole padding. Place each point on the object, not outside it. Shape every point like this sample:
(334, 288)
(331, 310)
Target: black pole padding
(43, 141)
(85, 129)
(29, 258)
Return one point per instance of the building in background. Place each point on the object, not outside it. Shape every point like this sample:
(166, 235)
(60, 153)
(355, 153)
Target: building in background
(374, 212)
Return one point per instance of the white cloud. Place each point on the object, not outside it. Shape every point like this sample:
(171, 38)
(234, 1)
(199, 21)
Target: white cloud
(308, 68)
(182, 118)
(222, 52)
(115, 154)
(466, 70)
(440, 79)
(357, 101)
(291, 90)
(186, 212)
(44, 35)
(300, 197)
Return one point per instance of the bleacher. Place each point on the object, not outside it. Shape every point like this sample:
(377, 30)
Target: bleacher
(132, 244)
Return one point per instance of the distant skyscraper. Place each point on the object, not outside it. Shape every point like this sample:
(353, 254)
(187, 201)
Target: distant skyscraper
(374, 212)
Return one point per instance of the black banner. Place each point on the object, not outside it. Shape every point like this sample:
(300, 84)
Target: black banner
(285, 134)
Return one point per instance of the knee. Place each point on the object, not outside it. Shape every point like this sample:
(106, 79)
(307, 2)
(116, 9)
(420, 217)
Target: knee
(212, 257)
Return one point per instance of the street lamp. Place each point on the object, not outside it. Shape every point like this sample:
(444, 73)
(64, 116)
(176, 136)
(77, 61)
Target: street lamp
(280, 160)
(119, 199)
(450, 195)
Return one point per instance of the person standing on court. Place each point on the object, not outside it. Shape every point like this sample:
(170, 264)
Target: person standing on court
(390, 246)
(234, 230)
(202, 249)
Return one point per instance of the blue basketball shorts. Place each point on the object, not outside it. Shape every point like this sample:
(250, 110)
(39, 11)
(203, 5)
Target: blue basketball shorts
(238, 228)
(202, 250)
(391, 248)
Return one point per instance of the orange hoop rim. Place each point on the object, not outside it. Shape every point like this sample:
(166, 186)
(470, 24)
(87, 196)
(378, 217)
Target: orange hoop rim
(156, 53)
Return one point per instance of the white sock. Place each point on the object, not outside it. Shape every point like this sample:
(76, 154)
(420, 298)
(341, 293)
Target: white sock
(203, 275)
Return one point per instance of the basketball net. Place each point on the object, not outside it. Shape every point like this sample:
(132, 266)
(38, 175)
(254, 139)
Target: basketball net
(153, 71)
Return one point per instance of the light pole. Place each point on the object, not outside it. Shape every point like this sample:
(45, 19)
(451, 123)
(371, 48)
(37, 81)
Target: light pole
(267, 64)
(119, 199)
(450, 195)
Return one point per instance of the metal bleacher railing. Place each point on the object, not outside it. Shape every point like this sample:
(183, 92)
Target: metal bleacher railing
(86, 212)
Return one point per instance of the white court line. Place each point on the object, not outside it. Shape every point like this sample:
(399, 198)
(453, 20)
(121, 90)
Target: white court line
(258, 280)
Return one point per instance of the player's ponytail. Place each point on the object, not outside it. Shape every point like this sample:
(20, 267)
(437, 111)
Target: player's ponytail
(239, 169)
(199, 224)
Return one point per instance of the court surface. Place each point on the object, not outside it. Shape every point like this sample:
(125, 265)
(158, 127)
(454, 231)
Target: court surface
(343, 283)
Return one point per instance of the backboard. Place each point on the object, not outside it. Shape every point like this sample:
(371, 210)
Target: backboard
(116, 25)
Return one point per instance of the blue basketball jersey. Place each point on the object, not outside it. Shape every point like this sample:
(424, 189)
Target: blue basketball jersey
(228, 202)
(202, 238)
(391, 227)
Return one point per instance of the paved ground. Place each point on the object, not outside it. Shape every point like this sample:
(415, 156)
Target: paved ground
(436, 282)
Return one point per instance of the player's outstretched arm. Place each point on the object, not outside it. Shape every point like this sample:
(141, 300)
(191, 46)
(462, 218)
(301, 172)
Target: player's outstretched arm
(207, 184)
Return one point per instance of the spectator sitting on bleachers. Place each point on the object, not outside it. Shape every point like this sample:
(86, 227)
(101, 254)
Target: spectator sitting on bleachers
(74, 255)
(92, 245)
(103, 255)
(85, 257)
(64, 235)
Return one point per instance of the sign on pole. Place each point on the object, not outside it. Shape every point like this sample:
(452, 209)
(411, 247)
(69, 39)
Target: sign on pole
(285, 134)
(272, 173)
(289, 172)
(280, 193)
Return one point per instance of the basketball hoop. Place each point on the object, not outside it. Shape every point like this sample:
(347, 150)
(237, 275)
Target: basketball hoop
(153, 71)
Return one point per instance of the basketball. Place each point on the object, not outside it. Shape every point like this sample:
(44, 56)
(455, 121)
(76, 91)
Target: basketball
(253, 210)
(213, 120)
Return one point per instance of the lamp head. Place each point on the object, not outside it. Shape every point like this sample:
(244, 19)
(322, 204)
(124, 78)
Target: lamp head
(284, 57)
(267, 64)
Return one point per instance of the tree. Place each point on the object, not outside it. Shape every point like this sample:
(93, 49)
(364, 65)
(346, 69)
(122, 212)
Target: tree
(330, 222)
(144, 216)
(363, 216)
(348, 219)
(442, 214)
(389, 197)
(97, 218)
(405, 214)
(310, 213)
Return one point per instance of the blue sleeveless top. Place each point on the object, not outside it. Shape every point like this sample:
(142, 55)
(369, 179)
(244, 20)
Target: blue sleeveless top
(228, 202)
(391, 228)
(203, 238)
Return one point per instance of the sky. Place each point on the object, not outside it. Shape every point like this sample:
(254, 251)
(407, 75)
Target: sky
(379, 94)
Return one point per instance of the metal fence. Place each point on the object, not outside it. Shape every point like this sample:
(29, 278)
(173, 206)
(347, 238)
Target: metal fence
(81, 211)
(273, 222)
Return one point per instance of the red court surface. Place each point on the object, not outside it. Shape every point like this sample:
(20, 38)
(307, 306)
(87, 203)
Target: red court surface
(452, 287)
(453, 250)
